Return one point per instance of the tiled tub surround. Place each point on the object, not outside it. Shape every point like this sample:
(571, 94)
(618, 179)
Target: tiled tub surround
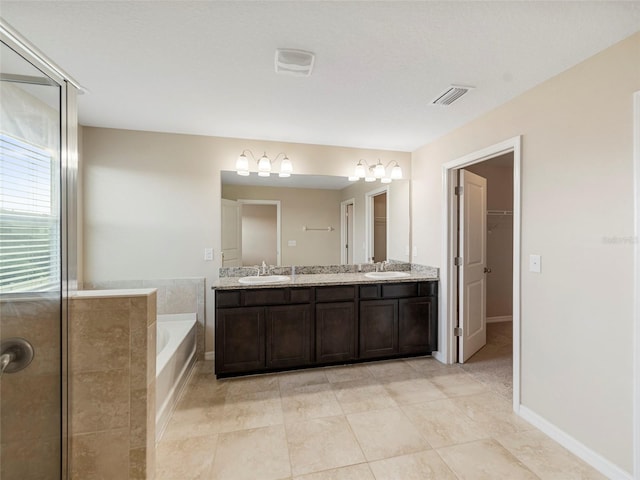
(112, 374)
(175, 295)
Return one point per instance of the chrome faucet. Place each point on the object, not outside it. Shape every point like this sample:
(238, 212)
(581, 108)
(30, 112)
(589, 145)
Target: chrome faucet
(383, 264)
(264, 267)
(257, 267)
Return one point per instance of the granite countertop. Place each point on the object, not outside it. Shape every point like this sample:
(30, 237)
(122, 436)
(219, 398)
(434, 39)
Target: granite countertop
(231, 283)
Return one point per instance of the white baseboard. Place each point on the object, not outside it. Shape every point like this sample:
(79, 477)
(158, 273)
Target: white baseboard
(208, 355)
(594, 459)
(505, 318)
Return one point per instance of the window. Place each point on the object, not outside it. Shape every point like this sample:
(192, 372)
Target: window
(29, 217)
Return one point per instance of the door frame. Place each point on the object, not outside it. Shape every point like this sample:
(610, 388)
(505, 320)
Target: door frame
(448, 280)
(244, 201)
(343, 229)
(370, 221)
(636, 323)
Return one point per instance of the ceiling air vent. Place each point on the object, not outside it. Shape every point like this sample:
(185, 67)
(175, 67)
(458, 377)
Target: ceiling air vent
(294, 62)
(450, 95)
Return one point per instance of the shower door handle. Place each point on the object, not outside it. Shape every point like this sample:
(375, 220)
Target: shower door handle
(15, 355)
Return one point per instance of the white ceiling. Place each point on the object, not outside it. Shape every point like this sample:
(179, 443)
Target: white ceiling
(207, 67)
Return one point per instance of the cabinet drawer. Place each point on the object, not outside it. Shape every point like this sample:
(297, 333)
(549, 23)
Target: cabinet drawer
(228, 298)
(335, 294)
(369, 291)
(300, 295)
(428, 289)
(396, 290)
(265, 296)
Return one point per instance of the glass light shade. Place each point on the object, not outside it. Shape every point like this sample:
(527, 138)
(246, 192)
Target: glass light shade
(378, 171)
(360, 172)
(385, 180)
(396, 172)
(369, 179)
(242, 165)
(264, 166)
(286, 168)
(354, 178)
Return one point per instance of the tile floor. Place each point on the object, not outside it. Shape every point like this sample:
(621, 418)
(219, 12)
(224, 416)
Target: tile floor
(401, 420)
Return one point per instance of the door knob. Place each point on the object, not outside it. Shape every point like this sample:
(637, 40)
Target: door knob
(487, 270)
(15, 354)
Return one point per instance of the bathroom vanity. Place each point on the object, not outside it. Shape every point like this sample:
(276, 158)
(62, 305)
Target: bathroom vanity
(317, 320)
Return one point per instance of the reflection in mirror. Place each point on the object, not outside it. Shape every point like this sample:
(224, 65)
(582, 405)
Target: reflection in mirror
(322, 220)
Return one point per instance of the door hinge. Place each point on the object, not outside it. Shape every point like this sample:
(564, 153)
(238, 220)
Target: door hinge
(457, 261)
(459, 190)
(457, 332)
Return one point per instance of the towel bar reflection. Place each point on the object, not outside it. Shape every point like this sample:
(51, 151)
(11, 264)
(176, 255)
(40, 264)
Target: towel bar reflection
(308, 229)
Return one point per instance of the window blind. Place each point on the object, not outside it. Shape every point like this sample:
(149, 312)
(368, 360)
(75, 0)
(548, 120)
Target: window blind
(30, 257)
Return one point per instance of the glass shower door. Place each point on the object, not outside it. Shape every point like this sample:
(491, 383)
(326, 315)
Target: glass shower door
(31, 389)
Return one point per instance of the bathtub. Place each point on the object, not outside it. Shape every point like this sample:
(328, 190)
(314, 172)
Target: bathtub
(175, 355)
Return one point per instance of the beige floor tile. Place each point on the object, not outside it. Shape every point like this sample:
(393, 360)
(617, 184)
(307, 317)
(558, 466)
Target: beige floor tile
(257, 454)
(429, 365)
(484, 460)
(306, 403)
(425, 465)
(352, 472)
(188, 459)
(292, 380)
(322, 444)
(189, 422)
(546, 458)
(347, 373)
(386, 433)
(414, 390)
(392, 368)
(253, 410)
(493, 412)
(244, 385)
(362, 395)
(457, 383)
(442, 423)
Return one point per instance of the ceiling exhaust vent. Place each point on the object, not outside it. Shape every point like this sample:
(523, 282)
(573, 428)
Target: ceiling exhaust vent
(294, 62)
(450, 95)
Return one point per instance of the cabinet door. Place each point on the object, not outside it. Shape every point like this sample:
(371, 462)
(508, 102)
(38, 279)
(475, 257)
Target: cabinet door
(335, 332)
(289, 336)
(240, 339)
(416, 319)
(378, 328)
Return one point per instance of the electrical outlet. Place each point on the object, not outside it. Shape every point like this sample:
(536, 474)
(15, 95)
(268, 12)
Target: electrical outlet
(208, 254)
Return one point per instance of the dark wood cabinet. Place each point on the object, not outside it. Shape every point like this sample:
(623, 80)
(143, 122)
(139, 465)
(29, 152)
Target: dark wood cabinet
(335, 332)
(267, 329)
(289, 336)
(240, 334)
(378, 328)
(417, 327)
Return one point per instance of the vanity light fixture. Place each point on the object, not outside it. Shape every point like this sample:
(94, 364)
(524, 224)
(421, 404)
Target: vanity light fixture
(265, 165)
(378, 171)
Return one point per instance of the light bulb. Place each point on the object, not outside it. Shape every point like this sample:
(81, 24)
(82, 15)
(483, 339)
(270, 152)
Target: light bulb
(360, 172)
(264, 166)
(396, 172)
(286, 168)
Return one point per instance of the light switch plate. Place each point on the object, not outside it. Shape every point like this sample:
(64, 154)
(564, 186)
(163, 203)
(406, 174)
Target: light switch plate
(535, 263)
(208, 254)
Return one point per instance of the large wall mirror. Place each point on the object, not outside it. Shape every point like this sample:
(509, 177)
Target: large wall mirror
(312, 220)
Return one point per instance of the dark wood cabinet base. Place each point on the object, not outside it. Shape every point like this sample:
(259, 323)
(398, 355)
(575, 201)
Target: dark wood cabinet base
(274, 329)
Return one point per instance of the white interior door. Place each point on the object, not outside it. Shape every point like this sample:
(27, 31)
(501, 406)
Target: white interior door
(231, 234)
(472, 286)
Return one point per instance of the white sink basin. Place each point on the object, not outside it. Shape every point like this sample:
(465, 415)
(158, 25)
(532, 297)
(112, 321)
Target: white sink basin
(386, 275)
(261, 279)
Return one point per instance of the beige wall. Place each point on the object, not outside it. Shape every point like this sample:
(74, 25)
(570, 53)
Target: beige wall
(315, 208)
(152, 200)
(577, 318)
(499, 175)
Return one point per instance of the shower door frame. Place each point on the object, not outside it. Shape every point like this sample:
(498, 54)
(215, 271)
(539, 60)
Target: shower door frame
(69, 90)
